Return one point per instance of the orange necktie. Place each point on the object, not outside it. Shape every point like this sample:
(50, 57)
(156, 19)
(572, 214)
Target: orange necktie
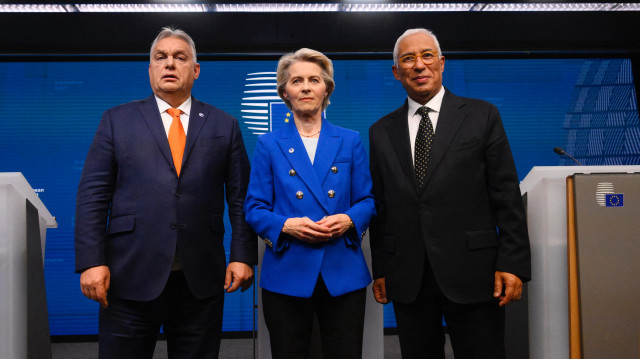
(177, 138)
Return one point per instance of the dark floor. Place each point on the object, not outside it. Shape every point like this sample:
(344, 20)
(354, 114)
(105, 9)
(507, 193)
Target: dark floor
(229, 349)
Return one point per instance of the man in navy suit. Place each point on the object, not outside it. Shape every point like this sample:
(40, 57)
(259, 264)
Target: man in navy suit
(149, 214)
(444, 179)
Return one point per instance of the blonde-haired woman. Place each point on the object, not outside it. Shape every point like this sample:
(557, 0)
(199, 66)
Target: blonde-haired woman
(310, 199)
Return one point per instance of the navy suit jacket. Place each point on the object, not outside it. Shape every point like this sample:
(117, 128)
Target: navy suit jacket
(133, 211)
(471, 187)
(281, 170)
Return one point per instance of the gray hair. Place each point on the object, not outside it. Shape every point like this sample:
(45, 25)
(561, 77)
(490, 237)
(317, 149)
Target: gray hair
(169, 31)
(305, 55)
(408, 33)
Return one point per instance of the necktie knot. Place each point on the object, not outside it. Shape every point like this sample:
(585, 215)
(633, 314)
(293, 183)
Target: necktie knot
(423, 111)
(174, 112)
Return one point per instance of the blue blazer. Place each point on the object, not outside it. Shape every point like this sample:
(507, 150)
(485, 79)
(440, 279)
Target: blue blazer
(132, 210)
(281, 171)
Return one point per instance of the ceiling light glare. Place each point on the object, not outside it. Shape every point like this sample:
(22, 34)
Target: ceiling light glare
(432, 7)
(626, 7)
(31, 8)
(266, 7)
(373, 6)
(555, 7)
(142, 8)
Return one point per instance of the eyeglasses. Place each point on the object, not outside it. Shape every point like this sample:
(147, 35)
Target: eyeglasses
(428, 57)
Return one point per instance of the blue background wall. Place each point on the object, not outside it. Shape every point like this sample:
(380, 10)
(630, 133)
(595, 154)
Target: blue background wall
(51, 111)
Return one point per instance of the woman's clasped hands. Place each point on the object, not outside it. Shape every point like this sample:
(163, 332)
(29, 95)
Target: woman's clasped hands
(323, 230)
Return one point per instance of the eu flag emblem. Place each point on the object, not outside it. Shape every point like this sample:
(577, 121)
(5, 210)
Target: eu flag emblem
(614, 200)
(280, 115)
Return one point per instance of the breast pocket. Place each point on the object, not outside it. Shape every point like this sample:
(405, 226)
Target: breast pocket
(464, 144)
(341, 167)
(340, 171)
(213, 144)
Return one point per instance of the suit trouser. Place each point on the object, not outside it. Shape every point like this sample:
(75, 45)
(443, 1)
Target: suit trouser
(290, 322)
(129, 329)
(476, 330)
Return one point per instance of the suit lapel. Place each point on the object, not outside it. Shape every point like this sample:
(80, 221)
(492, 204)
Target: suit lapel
(449, 122)
(151, 115)
(328, 145)
(294, 151)
(197, 118)
(398, 131)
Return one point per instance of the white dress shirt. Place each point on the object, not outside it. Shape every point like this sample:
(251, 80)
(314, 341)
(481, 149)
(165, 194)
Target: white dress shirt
(185, 108)
(414, 119)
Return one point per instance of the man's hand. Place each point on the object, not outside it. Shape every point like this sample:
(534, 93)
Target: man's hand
(306, 230)
(380, 291)
(94, 283)
(238, 275)
(512, 288)
(337, 224)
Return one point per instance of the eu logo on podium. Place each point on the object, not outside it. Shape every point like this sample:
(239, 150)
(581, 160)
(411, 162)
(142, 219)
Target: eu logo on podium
(614, 200)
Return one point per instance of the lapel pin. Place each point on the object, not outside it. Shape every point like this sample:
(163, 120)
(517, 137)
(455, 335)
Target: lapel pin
(291, 150)
(201, 114)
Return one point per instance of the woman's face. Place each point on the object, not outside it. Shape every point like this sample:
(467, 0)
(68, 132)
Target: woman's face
(305, 88)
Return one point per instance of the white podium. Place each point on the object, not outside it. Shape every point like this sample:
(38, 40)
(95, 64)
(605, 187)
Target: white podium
(24, 324)
(373, 336)
(548, 293)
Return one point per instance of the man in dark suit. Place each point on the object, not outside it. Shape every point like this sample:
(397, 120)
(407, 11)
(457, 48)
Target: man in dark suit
(149, 214)
(444, 179)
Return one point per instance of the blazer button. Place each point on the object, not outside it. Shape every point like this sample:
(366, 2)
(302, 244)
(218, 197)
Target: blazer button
(174, 226)
(178, 195)
(334, 169)
(292, 172)
(331, 193)
(299, 194)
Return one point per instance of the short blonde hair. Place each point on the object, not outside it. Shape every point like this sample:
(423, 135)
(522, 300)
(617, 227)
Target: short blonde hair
(305, 55)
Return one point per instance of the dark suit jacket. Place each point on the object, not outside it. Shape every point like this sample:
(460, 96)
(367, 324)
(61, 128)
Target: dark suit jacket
(132, 210)
(471, 188)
